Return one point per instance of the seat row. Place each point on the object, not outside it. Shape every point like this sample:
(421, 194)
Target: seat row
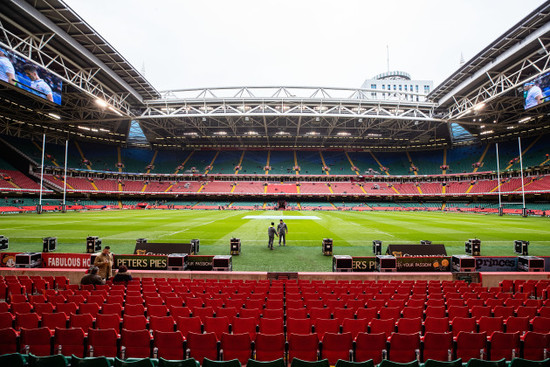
(266, 347)
(252, 325)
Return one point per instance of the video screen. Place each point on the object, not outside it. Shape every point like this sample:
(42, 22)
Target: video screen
(28, 76)
(537, 91)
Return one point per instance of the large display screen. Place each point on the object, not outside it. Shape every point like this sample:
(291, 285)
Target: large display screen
(536, 91)
(27, 75)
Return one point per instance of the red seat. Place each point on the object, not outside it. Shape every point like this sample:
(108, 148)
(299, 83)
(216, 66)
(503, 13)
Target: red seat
(502, 311)
(436, 325)
(370, 346)
(217, 325)
(103, 342)
(354, 326)
(54, 320)
(343, 313)
(236, 346)
(202, 346)
(535, 345)
(529, 312)
(465, 324)
(203, 313)
(26, 320)
(437, 346)
(471, 345)
(382, 326)
(460, 311)
(517, 324)
(504, 345)
(162, 323)
(67, 308)
(386, 313)
(319, 313)
(169, 345)
(366, 313)
(296, 313)
(323, 326)
(108, 322)
(137, 322)
(112, 308)
(409, 326)
(37, 341)
(69, 341)
(21, 307)
(41, 308)
(541, 324)
(8, 341)
(136, 343)
(404, 347)
(189, 324)
(413, 312)
(242, 325)
(176, 312)
(271, 326)
(337, 346)
(134, 309)
(250, 312)
(303, 346)
(157, 310)
(227, 312)
(490, 324)
(84, 322)
(6, 320)
(89, 308)
(479, 312)
(298, 326)
(269, 347)
(435, 311)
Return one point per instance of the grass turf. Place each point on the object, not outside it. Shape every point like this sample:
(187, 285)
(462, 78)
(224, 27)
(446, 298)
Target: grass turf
(352, 233)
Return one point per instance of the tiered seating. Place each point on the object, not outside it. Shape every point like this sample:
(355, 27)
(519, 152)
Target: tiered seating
(246, 187)
(338, 163)
(346, 188)
(282, 162)
(281, 188)
(222, 187)
(314, 188)
(253, 163)
(226, 162)
(400, 320)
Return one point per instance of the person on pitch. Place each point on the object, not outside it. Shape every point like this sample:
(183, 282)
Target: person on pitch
(282, 230)
(271, 232)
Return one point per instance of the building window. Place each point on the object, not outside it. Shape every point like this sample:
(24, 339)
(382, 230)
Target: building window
(373, 86)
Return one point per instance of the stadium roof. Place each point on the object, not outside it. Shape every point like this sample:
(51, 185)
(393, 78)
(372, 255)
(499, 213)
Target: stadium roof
(536, 21)
(484, 90)
(77, 39)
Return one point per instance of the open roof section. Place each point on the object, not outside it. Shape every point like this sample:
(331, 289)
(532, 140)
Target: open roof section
(78, 40)
(463, 78)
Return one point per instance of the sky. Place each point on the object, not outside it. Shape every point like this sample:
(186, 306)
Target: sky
(184, 44)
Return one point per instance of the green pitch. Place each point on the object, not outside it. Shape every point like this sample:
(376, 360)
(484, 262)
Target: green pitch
(352, 233)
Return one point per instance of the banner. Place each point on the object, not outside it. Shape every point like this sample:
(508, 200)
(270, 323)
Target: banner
(424, 264)
(57, 260)
(363, 263)
(7, 259)
(163, 248)
(199, 262)
(416, 250)
(405, 264)
(141, 262)
(496, 263)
